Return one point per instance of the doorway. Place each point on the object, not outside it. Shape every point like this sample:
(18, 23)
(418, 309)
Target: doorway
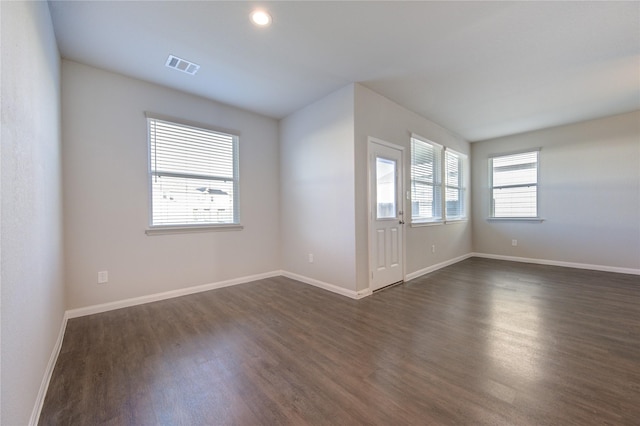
(386, 214)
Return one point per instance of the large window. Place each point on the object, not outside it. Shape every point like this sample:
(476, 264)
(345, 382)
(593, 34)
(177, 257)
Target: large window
(426, 181)
(193, 175)
(437, 183)
(514, 185)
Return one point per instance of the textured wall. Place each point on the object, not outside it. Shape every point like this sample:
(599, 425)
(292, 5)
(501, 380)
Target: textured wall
(381, 118)
(106, 194)
(317, 208)
(31, 225)
(589, 195)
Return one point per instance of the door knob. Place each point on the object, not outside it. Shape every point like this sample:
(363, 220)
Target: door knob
(401, 222)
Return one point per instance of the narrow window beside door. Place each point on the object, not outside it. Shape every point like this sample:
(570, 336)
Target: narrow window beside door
(426, 179)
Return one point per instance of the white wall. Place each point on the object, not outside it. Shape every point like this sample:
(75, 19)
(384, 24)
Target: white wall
(381, 118)
(589, 195)
(31, 224)
(106, 192)
(317, 205)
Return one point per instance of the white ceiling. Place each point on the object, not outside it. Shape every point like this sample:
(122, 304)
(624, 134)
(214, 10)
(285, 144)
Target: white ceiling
(480, 69)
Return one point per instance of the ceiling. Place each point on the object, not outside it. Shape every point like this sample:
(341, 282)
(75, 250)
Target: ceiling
(480, 69)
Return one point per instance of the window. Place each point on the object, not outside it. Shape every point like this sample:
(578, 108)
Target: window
(426, 179)
(386, 188)
(432, 187)
(193, 175)
(514, 185)
(454, 182)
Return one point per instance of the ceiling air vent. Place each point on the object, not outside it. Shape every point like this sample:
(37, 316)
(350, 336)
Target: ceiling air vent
(182, 65)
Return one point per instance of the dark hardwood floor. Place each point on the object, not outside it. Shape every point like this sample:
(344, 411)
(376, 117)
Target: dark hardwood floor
(482, 342)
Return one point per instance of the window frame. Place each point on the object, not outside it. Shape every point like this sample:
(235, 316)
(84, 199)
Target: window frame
(188, 227)
(537, 217)
(461, 187)
(442, 184)
(437, 201)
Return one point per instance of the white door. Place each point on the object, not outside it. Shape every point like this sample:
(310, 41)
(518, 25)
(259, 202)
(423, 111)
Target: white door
(386, 214)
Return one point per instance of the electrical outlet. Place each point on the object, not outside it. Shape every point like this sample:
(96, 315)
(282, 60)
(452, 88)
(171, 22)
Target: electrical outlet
(310, 257)
(514, 243)
(103, 277)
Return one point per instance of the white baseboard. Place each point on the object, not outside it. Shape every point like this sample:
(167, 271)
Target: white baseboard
(437, 266)
(326, 286)
(604, 268)
(104, 307)
(44, 386)
(367, 292)
(73, 313)
(94, 309)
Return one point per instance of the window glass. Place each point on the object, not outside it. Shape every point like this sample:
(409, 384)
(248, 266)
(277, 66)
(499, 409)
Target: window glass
(193, 174)
(385, 188)
(426, 188)
(514, 185)
(454, 195)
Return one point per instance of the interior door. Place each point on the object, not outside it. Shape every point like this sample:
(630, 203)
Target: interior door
(386, 236)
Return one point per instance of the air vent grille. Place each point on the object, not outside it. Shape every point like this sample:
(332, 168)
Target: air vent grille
(182, 65)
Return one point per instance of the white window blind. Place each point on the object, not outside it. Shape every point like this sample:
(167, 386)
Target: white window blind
(193, 175)
(426, 179)
(454, 185)
(514, 185)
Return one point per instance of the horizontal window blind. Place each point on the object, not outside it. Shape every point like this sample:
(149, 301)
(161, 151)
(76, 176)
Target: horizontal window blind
(454, 193)
(514, 185)
(193, 173)
(426, 178)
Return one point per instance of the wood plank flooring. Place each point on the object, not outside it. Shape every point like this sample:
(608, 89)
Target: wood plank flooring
(482, 342)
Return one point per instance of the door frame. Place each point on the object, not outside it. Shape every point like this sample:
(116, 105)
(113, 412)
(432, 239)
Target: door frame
(370, 213)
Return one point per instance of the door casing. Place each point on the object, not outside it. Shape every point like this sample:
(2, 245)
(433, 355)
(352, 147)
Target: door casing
(374, 147)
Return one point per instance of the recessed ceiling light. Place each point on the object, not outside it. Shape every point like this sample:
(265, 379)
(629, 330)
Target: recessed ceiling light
(260, 18)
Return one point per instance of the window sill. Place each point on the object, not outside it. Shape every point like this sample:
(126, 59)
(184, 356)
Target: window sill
(164, 230)
(452, 221)
(421, 224)
(515, 219)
